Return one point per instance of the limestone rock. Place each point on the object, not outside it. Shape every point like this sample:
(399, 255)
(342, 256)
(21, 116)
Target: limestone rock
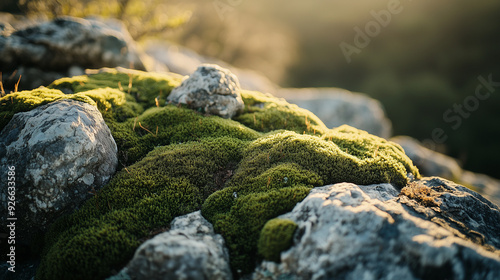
(190, 250)
(211, 88)
(336, 107)
(344, 233)
(61, 151)
(46, 51)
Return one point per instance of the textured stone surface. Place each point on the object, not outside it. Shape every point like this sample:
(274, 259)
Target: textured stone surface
(344, 233)
(46, 51)
(336, 107)
(431, 163)
(190, 250)
(212, 89)
(61, 151)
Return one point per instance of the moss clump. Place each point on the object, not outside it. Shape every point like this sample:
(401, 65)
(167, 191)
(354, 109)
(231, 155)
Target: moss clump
(104, 99)
(170, 125)
(143, 86)
(175, 160)
(101, 236)
(422, 194)
(276, 236)
(278, 169)
(265, 113)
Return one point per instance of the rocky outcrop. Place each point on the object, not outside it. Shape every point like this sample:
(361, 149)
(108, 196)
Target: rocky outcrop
(63, 47)
(345, 232)
(190, 250)
(432, 163)
(336, 107)
(62, 152)
(212, 89)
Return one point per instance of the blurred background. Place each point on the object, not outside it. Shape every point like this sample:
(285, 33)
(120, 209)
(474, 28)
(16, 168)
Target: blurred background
(426, 58)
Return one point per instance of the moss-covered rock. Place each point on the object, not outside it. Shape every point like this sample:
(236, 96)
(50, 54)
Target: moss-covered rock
(276, 237)
(241, 172)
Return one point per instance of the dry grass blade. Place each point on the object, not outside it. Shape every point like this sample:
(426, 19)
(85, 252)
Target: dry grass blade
(17, 84)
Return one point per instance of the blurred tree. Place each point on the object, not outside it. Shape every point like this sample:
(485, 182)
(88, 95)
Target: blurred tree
(143, 18)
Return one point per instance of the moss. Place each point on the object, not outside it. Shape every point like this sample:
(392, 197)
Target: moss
(422, 194)
(276, 236)
(103, 234)
(265, 113)
(176, 160)
(282, 160)
(169, 125)
(106, 100)
(143, 86)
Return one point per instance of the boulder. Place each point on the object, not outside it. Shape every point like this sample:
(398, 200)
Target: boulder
(211, 88)
(47, 51)
(336, 107)
(62, 152)
(345, 232)
(189, 250)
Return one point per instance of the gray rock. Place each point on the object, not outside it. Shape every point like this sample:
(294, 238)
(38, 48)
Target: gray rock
(432, 163)
(190, 250)
(336, 107)
(488, 187)
(58, 45)
(429, 162)
(458, 209)
(343, 233)
(61, 151)
(211, 88)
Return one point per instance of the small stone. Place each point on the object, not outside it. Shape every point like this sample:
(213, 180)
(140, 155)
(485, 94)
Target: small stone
(213, 89)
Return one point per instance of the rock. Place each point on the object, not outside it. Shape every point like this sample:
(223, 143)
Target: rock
(336, 107)
(211, 88)
(184, 61)
(53, 48)
(431, 163)
(61, 151)
(345, 233)
(488, 187)
(190, 250)
(458, 209)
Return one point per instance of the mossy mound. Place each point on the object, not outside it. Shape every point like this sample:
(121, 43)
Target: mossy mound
(171, 181)
(265, 113)
(241, 173)
(276, 236)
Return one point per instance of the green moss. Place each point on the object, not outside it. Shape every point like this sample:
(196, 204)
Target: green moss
(265, 113)
(143, 86)
(104, 233)
(176, 160)
(169, 125)
(282, 160)
(106, 100)
(276, 236)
